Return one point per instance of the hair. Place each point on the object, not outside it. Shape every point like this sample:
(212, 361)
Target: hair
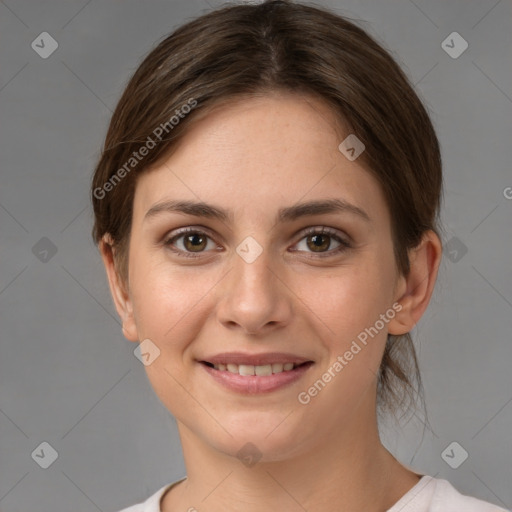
(240, 51)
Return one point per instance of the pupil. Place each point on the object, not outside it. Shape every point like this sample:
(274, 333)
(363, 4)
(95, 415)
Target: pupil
(317, 243)
(195, 240)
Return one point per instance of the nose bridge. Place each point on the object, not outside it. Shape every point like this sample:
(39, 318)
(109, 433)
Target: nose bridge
(253, 296)
(251, 273)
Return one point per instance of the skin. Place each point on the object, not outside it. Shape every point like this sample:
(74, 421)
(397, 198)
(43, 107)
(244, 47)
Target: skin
(253, 158)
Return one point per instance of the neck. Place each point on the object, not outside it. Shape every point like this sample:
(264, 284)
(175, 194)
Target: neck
(349, 471)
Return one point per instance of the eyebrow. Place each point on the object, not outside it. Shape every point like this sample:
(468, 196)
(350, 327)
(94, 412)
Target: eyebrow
(287, 214)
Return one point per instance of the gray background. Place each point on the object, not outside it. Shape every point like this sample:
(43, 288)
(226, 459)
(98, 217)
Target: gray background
(67, 375)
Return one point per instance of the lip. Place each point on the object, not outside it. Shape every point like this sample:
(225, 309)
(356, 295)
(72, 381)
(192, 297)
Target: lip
(254, 359)
(254, 384)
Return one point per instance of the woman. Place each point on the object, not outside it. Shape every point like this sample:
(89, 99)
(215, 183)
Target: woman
(266, 207)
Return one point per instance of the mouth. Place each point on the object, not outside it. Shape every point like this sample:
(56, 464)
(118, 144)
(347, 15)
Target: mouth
(255, 374)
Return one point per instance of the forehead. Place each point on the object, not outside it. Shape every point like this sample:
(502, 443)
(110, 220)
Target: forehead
(260, 154)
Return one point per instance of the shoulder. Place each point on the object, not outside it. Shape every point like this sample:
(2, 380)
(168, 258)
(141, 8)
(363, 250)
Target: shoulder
(152, 504)
(446, 498)
(437, 495)
(139, 507)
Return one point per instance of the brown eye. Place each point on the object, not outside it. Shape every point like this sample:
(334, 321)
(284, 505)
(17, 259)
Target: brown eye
(194, 242)
(318, 242)
(190, 243)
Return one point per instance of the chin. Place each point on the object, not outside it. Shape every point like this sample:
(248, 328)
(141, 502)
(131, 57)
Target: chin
(260, 439)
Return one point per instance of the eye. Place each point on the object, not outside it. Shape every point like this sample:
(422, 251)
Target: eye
(319, 241)
(194, 241)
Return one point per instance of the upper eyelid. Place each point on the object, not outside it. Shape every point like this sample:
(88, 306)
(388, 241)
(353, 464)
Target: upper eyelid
(179, 232)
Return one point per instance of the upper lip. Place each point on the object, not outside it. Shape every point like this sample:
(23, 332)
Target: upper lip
(254, 359)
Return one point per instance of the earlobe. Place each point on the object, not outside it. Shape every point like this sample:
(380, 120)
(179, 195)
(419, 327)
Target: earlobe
(118, 289)
(416, 288)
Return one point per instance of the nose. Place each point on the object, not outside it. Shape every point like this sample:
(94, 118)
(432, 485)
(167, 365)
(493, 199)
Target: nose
(255, 297)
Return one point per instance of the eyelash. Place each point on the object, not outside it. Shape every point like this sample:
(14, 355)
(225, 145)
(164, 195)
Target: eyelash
(344, 245)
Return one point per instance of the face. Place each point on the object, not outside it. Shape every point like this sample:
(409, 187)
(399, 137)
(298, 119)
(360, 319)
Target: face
(262, 279)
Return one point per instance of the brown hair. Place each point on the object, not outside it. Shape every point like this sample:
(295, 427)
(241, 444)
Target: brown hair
(242, 50)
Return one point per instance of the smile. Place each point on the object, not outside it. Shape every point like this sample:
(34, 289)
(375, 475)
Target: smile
(255, 379)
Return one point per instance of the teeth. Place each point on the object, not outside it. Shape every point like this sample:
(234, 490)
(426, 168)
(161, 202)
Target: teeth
(277, 367)
(261, 370)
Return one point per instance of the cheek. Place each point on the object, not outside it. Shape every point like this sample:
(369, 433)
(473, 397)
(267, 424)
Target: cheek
(350, 299)
(349, 306)
(161, 306)
(169, 302)
(350, 303)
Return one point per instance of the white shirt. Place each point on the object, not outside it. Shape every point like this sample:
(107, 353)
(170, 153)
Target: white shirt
(428, 495)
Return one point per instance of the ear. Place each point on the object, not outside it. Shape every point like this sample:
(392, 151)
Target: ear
(120, 294)
(413, 292)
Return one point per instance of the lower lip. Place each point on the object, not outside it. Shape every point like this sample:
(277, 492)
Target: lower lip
(253, 384)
